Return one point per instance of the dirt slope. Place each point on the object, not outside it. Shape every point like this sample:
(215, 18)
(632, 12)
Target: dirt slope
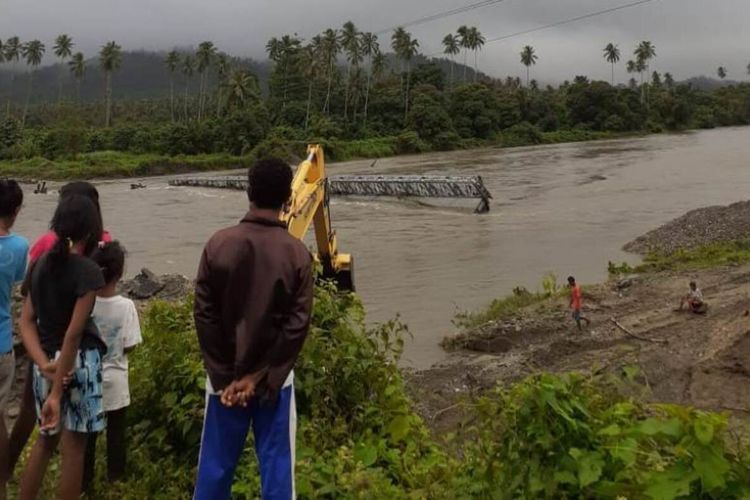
(698, 360)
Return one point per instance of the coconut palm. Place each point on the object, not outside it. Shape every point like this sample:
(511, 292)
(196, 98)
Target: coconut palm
(748, 68)
(204, 57)
(172, 61)
(528, 58)
(370, 49)
(63, 49)
(350, 43)
(721, 72)
(331, 48)
(32, 52)
(12, 55)
(223, 70)
(77, 66)
(290, 46)
(451, 47)
(379, 63)
(311, 55)
(464, 39)
(669, 80)
(110, 59)
(240, 88)
(476, 42)
(188, 69)
(612, 55)
(643, 54)
(405, 48)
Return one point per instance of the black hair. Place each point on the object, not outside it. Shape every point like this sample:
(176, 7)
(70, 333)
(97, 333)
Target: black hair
(693, 283)
(11, 197)
(270, 183)
(76, 220)
(110, 257)
(571, 279)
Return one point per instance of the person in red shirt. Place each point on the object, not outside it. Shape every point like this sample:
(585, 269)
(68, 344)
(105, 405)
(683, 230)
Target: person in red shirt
(576, 302)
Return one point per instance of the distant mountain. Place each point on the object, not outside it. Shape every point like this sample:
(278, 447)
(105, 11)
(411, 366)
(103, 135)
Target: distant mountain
(709, 83)
(143, 75)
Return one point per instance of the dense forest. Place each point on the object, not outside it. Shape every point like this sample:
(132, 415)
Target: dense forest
(359, 95)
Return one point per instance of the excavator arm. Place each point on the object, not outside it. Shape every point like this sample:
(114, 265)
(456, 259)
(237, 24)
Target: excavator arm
(309, 205)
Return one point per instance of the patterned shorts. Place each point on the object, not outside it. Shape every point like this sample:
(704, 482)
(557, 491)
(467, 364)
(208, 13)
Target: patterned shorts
(81, 408)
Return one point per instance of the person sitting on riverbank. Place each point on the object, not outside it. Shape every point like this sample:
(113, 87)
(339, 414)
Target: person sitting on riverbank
(694, 300)
(13, 254)
(576, 303)
(26, 420)
(253, 303)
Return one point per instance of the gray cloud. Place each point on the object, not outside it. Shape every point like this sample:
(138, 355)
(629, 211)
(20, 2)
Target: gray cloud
(692, 36)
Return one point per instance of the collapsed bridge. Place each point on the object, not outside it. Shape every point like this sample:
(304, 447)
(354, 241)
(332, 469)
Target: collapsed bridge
(397, 186)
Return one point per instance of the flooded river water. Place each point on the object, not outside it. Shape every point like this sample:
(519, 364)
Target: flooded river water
(566, 209)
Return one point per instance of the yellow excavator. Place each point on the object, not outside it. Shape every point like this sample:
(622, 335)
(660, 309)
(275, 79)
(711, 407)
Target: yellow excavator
(310, 205)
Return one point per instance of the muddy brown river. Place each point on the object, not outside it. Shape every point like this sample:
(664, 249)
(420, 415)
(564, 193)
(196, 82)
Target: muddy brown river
(565, 209)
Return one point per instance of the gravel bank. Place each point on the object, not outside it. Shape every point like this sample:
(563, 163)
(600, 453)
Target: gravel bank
(696, 228)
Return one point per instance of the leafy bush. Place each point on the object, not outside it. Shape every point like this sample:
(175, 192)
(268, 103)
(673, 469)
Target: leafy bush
(409, 143)
(572, 436)
(522, 134)
(357, 432)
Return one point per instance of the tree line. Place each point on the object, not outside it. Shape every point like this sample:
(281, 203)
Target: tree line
(349, 84)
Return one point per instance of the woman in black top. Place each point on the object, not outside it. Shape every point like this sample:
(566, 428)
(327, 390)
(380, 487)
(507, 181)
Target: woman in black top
(62, 341)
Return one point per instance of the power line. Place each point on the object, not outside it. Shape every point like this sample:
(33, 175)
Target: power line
(441, 15)
(563, 22)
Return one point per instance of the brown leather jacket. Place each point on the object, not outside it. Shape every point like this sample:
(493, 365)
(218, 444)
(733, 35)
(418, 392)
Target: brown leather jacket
(253, 301)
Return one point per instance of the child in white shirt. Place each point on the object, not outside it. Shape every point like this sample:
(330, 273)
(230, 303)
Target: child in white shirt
(116, 318)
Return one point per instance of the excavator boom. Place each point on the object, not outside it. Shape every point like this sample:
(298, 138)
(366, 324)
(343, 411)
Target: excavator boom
(309, 205)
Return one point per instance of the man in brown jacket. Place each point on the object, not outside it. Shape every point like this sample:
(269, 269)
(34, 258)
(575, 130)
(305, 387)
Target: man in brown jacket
(253, 301)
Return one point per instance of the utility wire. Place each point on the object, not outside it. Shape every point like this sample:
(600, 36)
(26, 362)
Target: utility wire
(441, 15)
(563, 22)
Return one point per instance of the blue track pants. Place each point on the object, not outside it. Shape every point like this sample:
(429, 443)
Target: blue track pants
(224, 434)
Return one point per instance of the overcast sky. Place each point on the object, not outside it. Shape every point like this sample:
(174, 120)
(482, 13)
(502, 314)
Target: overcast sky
(692, 37)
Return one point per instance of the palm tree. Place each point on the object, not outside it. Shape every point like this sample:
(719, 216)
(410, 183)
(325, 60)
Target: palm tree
(748, 68)
(370, 49)
(204, 58)
(405, 48)
(451, 47)
(379, 62)
(12, 55)
(612, 55)
(77, 65)
(669, 80)
(350, 42)
(331, 48)
(528, 58)
(110, 58)
(643, 54)
(223, 70)
(311, 54)
(240, 88)
(465, 42)
(476, 42)
(63, 50)
(721, 72)
(33, 52)
(172, 61)
(188, 68)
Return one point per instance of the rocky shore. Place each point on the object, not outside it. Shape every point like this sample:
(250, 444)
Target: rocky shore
(696, 228)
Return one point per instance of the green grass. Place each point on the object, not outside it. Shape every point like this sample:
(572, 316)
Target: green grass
(707, 256)
(508, 307)
(111, 164)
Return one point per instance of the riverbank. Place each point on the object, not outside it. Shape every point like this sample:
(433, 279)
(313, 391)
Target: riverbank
(118, 165)
(678, 357)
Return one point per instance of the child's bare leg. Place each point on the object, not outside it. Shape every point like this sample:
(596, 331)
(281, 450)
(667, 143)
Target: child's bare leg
(33, 474)
(71, 474)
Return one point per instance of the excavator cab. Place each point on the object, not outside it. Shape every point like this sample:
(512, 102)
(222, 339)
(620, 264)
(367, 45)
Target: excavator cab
(309, 204)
